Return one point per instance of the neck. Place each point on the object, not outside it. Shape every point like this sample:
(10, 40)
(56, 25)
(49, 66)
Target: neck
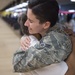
(44, 32)
(38, 36)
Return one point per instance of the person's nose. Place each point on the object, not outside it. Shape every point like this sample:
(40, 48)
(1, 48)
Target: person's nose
(26, 23)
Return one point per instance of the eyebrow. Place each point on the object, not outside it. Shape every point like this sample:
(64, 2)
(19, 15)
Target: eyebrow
(30, 20)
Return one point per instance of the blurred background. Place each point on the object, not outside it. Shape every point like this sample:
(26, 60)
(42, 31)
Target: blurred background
(10, 30)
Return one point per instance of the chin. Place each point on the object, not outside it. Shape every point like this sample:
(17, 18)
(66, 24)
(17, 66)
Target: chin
(32, 33)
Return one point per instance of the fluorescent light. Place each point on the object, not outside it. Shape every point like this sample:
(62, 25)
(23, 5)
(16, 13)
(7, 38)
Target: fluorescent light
(17, 6)
(72, 0)
(20, 10)
(71, 10)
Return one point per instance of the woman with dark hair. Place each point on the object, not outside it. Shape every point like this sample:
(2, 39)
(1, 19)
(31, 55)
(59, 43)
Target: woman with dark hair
(21, 20)
(54, 45)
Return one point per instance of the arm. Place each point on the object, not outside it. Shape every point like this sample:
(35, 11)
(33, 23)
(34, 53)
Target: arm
(49, 50)
(71, 59)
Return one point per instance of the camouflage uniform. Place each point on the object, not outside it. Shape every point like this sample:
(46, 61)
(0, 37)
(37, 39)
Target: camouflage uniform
(54, 47)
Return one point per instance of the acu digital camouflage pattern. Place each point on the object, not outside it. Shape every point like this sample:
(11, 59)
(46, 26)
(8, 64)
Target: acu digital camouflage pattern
(54, 47)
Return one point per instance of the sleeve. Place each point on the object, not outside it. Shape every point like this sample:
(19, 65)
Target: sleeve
(50, 50)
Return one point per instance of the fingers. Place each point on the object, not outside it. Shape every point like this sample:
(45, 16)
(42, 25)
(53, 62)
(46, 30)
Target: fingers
(25, 43)
(23, 47)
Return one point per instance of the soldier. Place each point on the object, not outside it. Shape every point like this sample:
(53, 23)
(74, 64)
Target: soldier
(54, 46)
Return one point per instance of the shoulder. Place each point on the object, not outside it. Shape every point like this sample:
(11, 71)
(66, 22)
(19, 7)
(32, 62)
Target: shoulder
(55, 37)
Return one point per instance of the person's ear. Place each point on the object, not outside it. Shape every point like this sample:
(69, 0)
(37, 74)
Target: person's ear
(47, 25)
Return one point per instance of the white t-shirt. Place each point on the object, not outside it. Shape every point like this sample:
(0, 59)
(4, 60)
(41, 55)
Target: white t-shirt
(53, 69)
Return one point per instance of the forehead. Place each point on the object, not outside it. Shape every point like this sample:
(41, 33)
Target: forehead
(30, 13)
(31, 16)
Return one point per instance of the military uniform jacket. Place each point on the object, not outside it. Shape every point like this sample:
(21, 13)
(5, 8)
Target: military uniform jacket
(54, 47)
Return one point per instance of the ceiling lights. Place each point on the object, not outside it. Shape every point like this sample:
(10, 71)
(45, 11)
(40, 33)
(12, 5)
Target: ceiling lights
(72, 0)
(17, 7)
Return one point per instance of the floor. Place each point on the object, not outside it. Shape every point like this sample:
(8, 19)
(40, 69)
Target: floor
(9, 42)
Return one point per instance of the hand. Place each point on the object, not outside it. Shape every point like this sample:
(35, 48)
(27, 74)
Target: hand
(25, 42)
